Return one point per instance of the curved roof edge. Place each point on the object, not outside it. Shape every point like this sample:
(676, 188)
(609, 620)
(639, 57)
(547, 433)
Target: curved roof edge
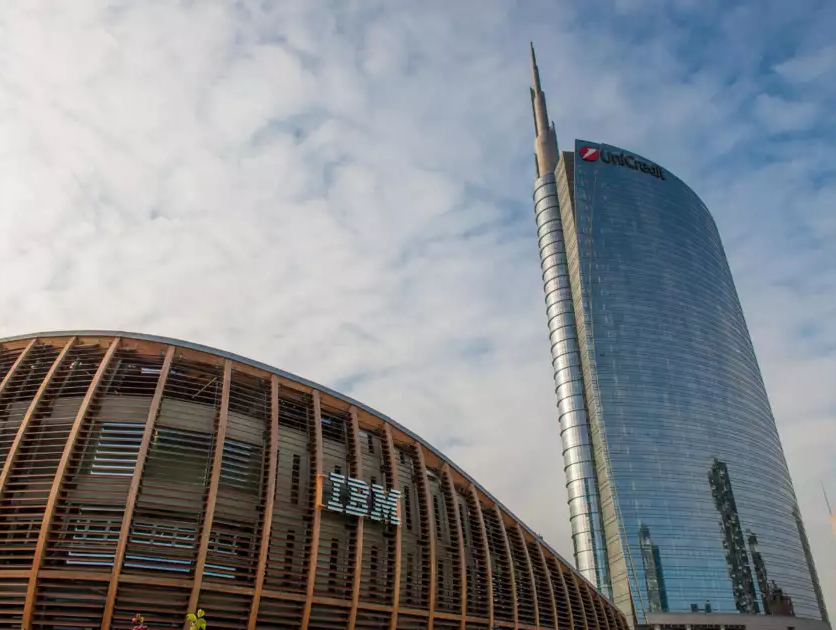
(268, 368)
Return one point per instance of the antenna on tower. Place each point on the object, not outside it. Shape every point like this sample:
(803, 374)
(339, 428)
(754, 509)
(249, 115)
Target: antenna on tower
(827, 502)
(545, 145)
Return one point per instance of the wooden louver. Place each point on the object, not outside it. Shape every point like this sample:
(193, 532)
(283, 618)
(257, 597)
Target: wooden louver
(142, 474)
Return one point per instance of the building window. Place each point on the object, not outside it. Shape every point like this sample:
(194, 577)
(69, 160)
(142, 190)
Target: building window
(409, 578)
(289, 548)
(332, 565)
(437, 514)
(374, 569)
(407, 508)
(294, 480)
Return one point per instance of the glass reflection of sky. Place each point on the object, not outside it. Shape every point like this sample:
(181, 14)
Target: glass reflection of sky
(679, 387)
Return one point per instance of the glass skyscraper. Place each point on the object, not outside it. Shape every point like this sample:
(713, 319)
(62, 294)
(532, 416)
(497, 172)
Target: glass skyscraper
(679, 493)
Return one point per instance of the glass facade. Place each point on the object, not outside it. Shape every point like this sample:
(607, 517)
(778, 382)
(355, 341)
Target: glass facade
(699, 510)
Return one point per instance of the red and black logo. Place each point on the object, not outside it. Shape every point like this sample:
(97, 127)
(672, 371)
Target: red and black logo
(593, 154)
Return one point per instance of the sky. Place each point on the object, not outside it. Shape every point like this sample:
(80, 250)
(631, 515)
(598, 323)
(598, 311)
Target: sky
(342, 189)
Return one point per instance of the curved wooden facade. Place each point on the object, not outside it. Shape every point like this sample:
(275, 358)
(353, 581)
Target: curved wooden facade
(140, 474)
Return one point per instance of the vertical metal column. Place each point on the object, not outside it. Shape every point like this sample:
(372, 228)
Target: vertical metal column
(578, 461)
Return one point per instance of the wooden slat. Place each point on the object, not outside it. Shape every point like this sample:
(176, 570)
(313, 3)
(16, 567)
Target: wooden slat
(30, 411)
(577, 588)
(154, 580)
(451, 491)
(600, 601)
(20, 359)
(428, 506)
(534, 595)
(272, 467)
(589, 592)
(58, 481)
(212, 496)
(486, 551)
(568, 600)
(510, 560)
(316, 521)
(357, 473)
(549, 584)
(133, 491)
(392, 463)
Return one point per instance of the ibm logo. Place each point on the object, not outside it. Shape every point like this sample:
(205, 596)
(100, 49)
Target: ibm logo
(357, 498)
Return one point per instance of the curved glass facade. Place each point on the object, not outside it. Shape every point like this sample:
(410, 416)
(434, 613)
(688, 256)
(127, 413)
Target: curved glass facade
(699, 509)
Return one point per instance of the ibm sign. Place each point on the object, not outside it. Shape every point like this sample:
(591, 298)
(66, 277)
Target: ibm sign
(357, 498)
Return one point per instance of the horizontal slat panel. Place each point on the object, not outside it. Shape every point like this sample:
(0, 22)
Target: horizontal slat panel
(162, 607)
(12, 598)
(69, 604)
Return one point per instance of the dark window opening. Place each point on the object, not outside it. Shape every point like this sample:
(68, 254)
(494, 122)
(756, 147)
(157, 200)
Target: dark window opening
(374, 570)
(437, 514)
(294, 480)
(407, 508)
(332, 565)
(289, 549)
(409, 578)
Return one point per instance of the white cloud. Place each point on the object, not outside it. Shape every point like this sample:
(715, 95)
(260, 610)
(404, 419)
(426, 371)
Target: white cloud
(343, 190)
(780, 115)
(810, 67)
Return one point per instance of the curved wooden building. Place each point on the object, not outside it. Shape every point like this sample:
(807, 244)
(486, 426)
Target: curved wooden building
(140, 474)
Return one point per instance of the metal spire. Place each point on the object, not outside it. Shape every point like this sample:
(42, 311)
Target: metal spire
(535, 72)
(545, 144)
(826, 500)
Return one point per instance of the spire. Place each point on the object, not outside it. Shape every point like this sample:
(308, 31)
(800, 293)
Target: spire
(535, 72)
(545, 144)
(827, 502)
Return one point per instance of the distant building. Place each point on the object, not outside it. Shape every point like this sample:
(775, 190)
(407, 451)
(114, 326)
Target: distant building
(737, 560)
(657, 598)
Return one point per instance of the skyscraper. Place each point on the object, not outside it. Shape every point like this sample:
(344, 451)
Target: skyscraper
(665, 422)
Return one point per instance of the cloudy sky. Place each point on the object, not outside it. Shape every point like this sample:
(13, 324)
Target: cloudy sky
(342, 189)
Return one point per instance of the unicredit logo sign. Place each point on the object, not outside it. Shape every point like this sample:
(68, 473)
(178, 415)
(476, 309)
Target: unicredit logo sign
(591, 154)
